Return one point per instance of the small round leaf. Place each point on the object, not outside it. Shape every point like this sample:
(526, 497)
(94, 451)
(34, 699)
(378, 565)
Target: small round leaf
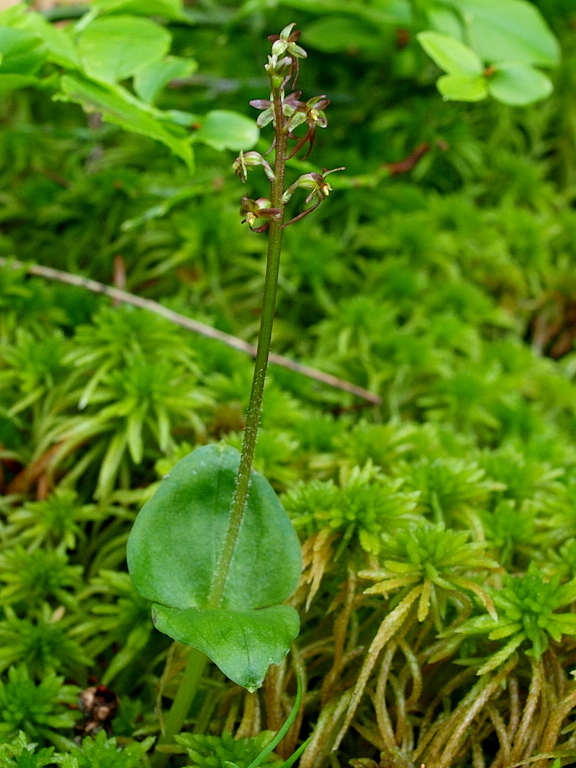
(115, 47)
(450, 54)
(462, 88)
(519, 84)
(223, 129)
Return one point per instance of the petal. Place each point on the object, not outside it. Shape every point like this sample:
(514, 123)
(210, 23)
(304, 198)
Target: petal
(264, 118)
(295, 50)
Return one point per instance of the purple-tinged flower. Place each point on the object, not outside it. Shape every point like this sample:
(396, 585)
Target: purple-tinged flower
(319, 191)
(252, 210)
(310, 112)
(284, 61)
(285, 43)
(290, 104)
(247, 160)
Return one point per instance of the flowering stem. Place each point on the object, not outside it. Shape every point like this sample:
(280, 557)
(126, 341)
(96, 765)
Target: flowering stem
(263, 349)
(282, 66)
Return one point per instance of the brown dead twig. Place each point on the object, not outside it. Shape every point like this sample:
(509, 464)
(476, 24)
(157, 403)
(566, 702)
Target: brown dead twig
(192, 325)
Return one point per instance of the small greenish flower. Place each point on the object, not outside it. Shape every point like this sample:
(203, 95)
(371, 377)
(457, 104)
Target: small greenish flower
(312, 113)
(315, 182)
(267, 115)
(286, 53)
(319, 191)
(280, 69)
(286, 43)
(290, 104)
(247, 160)
(252, 210)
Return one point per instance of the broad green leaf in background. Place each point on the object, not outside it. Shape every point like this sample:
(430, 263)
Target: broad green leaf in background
(177, 117)
(59, 47)
(118, 106)
(174, 549)
(149, 81)
(168, 9)
(462, 88)
(23, 53)
(332, 34)
(451, 55)
(391, 12)
(222, 129)
(9, 16)
(444, 19)
(13, 82)
(518, 84)
(509, 30)
(464, 81)
(116, 47)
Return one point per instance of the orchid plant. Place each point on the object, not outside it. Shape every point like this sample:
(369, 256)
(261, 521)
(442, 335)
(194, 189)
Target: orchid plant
(205, 548)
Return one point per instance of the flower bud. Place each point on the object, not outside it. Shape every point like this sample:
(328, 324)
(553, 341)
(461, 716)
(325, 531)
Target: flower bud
(279, 48)
(247, 160)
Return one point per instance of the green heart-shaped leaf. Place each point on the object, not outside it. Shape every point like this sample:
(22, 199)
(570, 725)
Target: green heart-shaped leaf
(242, 643)
(173, 554)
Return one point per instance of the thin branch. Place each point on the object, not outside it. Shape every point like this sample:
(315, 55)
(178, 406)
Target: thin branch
(192, 325)
(406, 165)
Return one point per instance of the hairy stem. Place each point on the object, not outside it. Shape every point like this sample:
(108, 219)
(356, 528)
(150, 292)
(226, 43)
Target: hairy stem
(261, 364)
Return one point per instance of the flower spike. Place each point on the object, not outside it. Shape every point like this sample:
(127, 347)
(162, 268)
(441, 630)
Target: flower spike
(286, 112)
